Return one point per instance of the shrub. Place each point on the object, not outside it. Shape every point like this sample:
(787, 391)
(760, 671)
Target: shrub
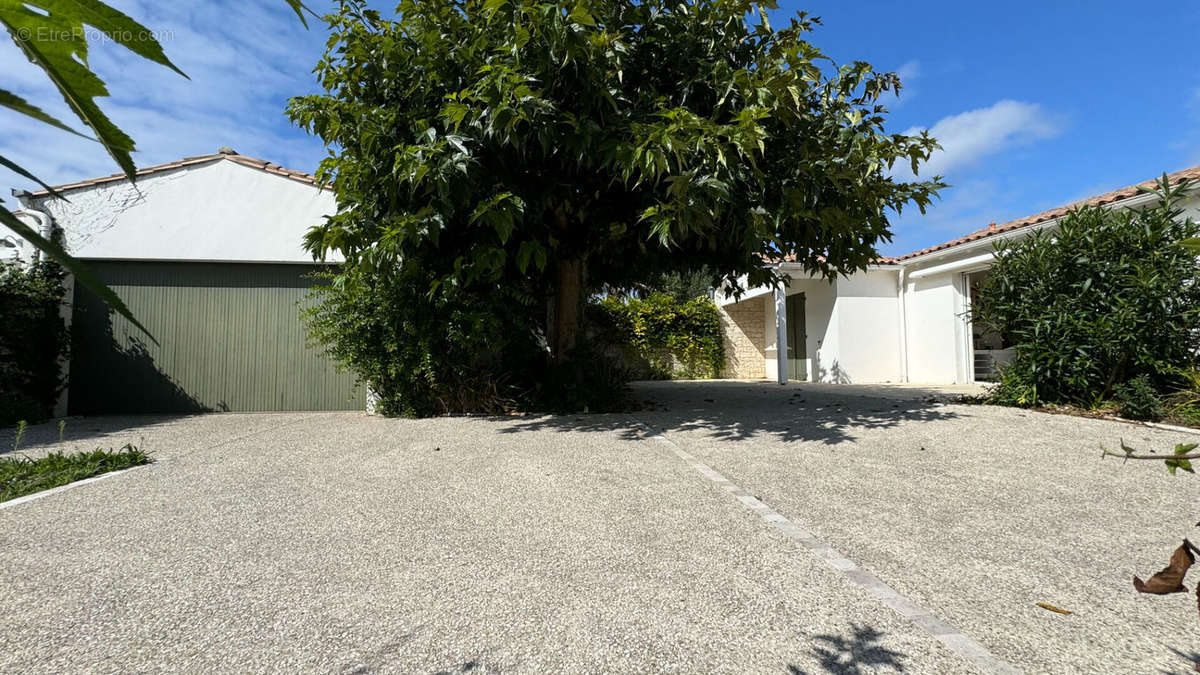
(421, 353)
(450, 349)
(682, 286)
(1106, 297)
(592, 381)
(661, 336)
(1183, 402)
(1138, 400)
(33, 337)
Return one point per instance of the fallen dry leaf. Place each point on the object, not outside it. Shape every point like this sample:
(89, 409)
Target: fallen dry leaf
(1052, 608)
(1170, 578)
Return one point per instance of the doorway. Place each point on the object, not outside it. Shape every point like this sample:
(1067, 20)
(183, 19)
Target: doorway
(986, 351)
(797, 339)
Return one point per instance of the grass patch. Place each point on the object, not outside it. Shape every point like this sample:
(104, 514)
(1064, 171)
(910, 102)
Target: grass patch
(20, 476)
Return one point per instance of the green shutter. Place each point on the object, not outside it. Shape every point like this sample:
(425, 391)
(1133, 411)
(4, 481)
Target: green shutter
(230, 339)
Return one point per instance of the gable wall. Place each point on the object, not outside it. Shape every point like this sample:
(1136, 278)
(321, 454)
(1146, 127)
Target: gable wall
(220, 211)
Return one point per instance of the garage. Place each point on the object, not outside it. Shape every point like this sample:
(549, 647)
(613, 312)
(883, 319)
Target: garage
(208, 253)
(230, 338)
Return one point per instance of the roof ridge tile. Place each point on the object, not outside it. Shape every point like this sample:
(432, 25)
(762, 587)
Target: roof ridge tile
(243, 160)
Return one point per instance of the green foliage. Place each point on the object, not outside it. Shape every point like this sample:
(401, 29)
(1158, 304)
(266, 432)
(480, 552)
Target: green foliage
(82, 273)
(515, 134)
(33, 337)
(683, 285)
(420, 353)
(666, 336)
(552, 148)
(1180, 462)
(1138, 399)
(452, 351)
(17, 437)
(1183, 403)
(1180, 458)
(51, 35)
(1104, 298)
(20, 476)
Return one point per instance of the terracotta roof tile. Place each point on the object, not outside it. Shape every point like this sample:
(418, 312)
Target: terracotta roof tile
(1107, 198)
(252, 162)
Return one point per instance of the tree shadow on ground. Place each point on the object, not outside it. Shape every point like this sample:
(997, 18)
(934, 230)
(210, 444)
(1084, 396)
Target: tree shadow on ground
(1192, 660)
(84, 433)
(734, 411)
(861, 652)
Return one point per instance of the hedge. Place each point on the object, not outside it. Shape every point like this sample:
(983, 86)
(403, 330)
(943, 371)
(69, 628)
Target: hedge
(661, 337)
(33, 337)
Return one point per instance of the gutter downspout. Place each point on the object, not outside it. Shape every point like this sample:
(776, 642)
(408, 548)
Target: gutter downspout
(45, 223)
(67, 308)
(903, 325)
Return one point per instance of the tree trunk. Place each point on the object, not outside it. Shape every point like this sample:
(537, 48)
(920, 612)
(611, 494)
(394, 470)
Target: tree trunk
(567, 310)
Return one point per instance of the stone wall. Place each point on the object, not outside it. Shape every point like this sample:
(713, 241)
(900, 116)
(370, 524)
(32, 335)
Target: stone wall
(744, 326)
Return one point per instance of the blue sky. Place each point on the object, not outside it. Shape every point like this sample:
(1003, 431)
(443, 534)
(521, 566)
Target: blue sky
(1037, 103)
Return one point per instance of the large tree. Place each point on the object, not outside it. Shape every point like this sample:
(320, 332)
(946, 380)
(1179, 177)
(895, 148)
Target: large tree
(554, 147)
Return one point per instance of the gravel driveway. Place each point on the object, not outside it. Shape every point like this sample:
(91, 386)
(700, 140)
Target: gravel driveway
(728, 527)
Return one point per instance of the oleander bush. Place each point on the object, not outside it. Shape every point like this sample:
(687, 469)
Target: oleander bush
(1107, 297)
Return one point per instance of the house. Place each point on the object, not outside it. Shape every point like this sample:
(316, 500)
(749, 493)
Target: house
(903, 319)
(208, 254)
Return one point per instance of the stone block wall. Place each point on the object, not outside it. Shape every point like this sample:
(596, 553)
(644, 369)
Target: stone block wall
(744, 327)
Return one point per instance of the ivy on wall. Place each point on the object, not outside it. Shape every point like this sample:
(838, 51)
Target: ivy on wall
(661, 337)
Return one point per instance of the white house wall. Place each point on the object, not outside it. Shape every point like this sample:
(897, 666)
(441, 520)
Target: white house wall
(216, 211)
(851, 328)
(819, 327)
(935, 307)
(868, 317)
(931, 322)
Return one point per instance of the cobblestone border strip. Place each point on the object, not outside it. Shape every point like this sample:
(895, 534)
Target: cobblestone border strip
(958, 642)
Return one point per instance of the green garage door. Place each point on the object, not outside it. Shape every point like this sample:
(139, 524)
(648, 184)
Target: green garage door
(229, 337)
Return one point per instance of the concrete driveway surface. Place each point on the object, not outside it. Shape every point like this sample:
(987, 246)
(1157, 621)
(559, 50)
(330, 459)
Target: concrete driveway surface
(727, 527)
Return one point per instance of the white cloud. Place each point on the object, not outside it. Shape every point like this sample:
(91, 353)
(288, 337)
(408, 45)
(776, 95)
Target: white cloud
(961, 209)
(909, 71)
(969, 137)
(244, 60)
